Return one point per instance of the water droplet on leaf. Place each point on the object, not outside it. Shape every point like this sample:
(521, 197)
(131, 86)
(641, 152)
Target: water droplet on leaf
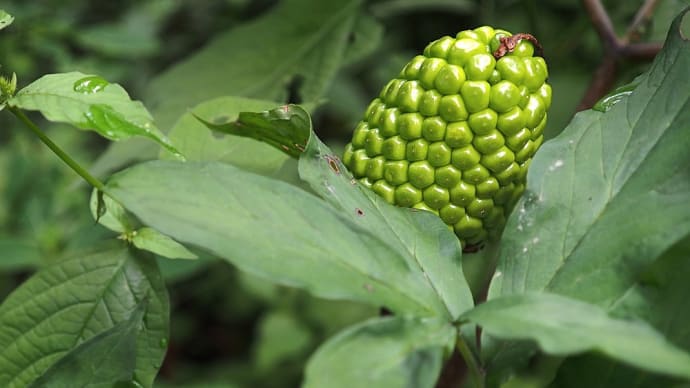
(163, 343)
(90, 84)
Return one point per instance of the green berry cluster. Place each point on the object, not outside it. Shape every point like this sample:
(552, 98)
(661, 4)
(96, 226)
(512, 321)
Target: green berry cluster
(455, 132)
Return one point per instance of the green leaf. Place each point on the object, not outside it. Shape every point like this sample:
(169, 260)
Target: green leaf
(662, 298)
(295, 45)
(153, 241)
(5, 19)
(300, 50)
(65, 304)
(366, 37)
(609, 195)
(18, 254)
(272, 229)
(135, 36)
(280, 337)
(564, 326)
(90, 102)
(392, 8)
(104, 360)
(385, 352)
(107, 212)
(421, 239)
(198, 143)
(286, 128)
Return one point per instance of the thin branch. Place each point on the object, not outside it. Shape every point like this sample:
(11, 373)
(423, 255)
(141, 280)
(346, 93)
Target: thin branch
(642, 17)
(615, 48)
(641, 51)
(602, 23)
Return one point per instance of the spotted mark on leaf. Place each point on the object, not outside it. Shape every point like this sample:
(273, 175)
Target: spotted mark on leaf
(332, 163)
(359, 212)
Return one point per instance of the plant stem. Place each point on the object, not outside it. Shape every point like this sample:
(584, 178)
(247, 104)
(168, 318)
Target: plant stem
(472, 365)
(93, 181)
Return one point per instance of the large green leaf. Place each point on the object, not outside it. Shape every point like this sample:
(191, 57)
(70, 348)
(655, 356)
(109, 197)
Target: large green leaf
(294, 44)
(564, 326)
(607, 196)
(284, 48)
(662, 298)
(90, 102)
(271, 228)
(198, 143)
(104, 360)
(420, 238)
(390, 352)
(64, 305)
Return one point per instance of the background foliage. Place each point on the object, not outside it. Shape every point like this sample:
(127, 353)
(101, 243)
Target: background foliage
(333, 59)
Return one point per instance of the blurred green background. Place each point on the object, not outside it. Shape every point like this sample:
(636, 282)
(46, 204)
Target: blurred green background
(228, 328)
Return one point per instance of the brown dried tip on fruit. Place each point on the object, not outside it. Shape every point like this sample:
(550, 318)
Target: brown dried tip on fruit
(508, 44)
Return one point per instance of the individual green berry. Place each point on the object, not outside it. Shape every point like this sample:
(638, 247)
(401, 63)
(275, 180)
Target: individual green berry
(395, 172)
(465, 158)
(375, 168)
(449, 79)
(483, 122)
(436, 196)
(393, 148)
(451, 214)
(476, 95)
(433, 128)
(448, 176)
(439, 154)
(417, 150)
(407, 195)
(458, 134)
(480, 67)
(385, 190)
(504, 95)
(452, 108)
(455, 132)
(421, 174)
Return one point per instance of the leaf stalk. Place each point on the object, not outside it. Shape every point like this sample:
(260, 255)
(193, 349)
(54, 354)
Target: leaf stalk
(93, 181)
(475, 370)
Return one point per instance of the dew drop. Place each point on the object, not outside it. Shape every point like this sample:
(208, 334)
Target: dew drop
(163, 343)
(556, 165)
(90, 84)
